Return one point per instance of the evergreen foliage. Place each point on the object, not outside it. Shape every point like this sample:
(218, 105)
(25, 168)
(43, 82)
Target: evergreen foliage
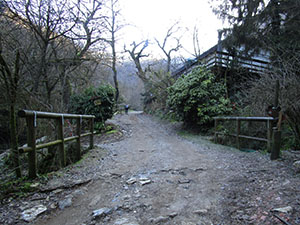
(256, 26)
(95, 101)
(197, 97)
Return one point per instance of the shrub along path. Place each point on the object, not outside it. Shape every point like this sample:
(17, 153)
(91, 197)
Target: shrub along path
(150, 175)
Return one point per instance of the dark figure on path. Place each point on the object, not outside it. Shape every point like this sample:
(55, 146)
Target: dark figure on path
(126, 107)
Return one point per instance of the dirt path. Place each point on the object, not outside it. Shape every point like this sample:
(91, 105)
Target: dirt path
(153, 176)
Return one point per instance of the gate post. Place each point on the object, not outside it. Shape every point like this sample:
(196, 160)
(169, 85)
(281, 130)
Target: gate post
(276, 144)
(60, 134)
(78, 142)
(216, 134)
(31, 140)
(269, 135)
(238, 131)
(92, 133)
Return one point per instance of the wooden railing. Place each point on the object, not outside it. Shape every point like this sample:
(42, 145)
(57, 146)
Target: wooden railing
(238, 135)
(31, 120)
(224, 59)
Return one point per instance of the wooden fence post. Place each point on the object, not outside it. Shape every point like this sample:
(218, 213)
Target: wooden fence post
(78, 142)
(31, 140)
(92, 133)
(269, 135)
(238, 131)
(216, 134)
(60, 136)
(276, 144)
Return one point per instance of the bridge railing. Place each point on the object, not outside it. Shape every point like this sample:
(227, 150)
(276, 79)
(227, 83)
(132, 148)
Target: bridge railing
(31, 121)
(268, 120)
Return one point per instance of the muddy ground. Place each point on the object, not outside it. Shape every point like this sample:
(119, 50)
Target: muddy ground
(148, 174)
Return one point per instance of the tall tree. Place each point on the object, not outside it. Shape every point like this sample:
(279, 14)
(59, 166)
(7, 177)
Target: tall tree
(256, 24)
(13, 47)
(10, 76)
(112, 27)
(78, 44)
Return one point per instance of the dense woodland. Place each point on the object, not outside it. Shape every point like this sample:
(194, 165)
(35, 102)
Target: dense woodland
(56, 55)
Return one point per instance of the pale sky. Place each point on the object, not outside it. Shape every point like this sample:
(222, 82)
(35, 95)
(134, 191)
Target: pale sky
(151, 19)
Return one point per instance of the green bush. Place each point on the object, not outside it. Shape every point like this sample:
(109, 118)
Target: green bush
(197, 97)
(94, 101)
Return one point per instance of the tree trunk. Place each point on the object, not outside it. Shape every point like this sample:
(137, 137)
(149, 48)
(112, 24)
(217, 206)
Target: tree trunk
(116, 86)
(113, 48)
(114, 69)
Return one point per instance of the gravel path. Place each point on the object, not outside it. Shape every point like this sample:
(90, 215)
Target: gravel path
(153, 176)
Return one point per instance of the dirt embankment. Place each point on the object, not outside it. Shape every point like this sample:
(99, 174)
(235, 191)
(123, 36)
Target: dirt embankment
(150, 175)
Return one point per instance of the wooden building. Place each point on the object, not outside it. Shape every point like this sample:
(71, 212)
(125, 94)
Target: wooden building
(235, 70)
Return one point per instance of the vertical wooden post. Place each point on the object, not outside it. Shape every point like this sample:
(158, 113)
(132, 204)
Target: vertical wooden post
(31, 140)
(276, 144)
(216, 135)
(269, 135)
(92, 133)
(238, 131)
(78, 142)
(60, 136)
(14, 155)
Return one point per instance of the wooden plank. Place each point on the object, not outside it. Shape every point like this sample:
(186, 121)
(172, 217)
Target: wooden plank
(216, 133)
(78, 141)
(48, 144)
(275, 154)
(253, 138)
(60, 136)
(245, 118)
(245, 136)
(38, 114)
(269, 135)
(24, 149)
(52, 143)
(70, 138)
(92, 133)
(31, 140)
(238, 131)
(245, 58)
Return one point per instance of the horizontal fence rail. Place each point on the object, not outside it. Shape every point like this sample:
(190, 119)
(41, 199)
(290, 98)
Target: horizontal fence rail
(31, 121)
(223, 59)
(238, 136)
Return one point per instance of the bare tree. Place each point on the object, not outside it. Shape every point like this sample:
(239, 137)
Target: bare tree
(64, 31)
(136, 53)
(164, 44)
(78, 43)
(10, 77)
(44, 19)
(14, 46)
(112, 27)
(196, 43)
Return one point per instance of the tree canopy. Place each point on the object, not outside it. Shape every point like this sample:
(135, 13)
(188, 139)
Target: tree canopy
(256, 24)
